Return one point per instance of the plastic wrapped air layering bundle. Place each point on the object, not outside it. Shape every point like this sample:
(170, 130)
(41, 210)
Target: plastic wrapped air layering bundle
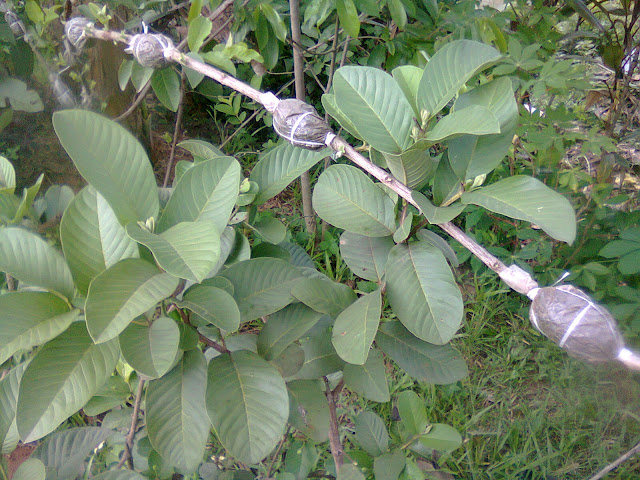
(149, 49)
(74, 29)
(299, 124)
(571, 319)
(14, 22)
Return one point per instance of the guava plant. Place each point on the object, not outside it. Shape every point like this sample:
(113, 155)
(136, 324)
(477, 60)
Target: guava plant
(196, 300)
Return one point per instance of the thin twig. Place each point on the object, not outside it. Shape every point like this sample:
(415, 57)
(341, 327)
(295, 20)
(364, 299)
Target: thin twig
(128, 446)
(617, 463)
(176, 132)
(334, 434)
(277, 452)
(136, 102)
(207, 341)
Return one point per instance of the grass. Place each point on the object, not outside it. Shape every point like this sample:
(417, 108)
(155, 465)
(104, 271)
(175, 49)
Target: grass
(526, 410)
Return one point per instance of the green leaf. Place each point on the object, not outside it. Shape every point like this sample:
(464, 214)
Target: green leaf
(57, 199)
(412, 412)
(285, 327)
(123, 292)
(112, 161)
(281, 166)
(20, 97)
(65, 452)
(350, 472)
(248, 404)
(194, 10)
(7, 176)
(472, 120)
(365, 256)
(356, 327)
(34, 12)
(176, 412)
(201, 150)
(199, 29)
(435, 214)
(290, 361)
(471, 156)
(64, 374)
(388, 466)
(9, 386)
(26, 202)
(627, 249)
(449, 69)
(187, 250)
(299, 257)
(30, 319)
(437, 241)
(348, 16)
(270, 229)
(268, 43)
(214, 305)
(346, 198)
(262, 286)
(92, 238)
(332, 108)
(124, 73)
(207, 191)
(32, 468)
(446, 185)
(28, 196)
(422, 292)
(166, 85)
(398, 15)
(112, 394)
(320, 356)
(27, 257)
(527, 198)
(371, 433)
(437, 364)
(375, 104)
(408, 78)
(194, 77)
(150, 349)
(140, 76)
(308, 409)
(277, 24)
(441, 437)
(404, 230)
(370, 379)
(413, 167)
(300, 460)
(324, 295)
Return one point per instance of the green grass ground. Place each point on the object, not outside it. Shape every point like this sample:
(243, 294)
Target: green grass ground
(527, 410)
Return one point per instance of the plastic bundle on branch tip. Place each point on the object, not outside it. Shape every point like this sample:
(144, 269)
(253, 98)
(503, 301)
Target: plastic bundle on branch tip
(299, 124)
(75, 31)
(150, 49)
(15, 24)
(572, 320)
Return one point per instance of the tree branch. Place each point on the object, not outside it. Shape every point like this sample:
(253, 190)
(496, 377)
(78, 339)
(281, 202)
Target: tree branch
(334, 434)
(128, 446)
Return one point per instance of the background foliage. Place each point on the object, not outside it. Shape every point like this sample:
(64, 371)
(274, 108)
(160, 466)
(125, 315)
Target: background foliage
(124, 300)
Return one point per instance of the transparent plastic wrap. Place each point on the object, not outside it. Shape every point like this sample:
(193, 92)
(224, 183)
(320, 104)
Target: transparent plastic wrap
(572, 320)
(299, 124)
(150, 49)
